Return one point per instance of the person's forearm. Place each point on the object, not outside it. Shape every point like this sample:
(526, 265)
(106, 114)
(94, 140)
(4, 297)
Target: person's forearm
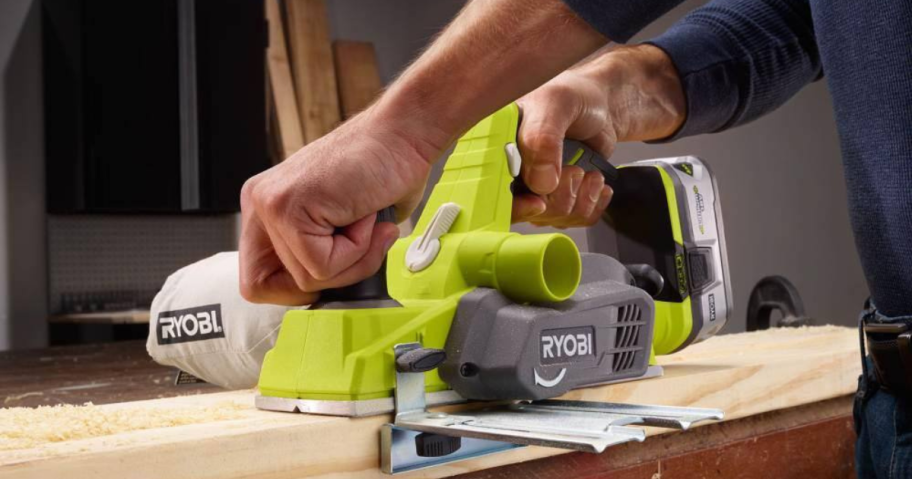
(493, 53)
(741, 59)
(645, 95)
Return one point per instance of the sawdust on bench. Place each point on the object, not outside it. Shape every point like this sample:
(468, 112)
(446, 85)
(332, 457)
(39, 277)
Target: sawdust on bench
(781, 332)
(22, 428)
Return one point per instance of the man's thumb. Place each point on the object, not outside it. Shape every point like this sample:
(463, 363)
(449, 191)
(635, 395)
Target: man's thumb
(541, 138)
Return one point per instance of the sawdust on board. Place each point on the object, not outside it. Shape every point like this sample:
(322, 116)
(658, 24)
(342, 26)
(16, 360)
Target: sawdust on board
(745, 343)
(22, 427)
(783, 332)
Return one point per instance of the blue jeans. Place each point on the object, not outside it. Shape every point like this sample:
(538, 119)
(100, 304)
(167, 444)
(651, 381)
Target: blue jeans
(884, 446)
(883, 423)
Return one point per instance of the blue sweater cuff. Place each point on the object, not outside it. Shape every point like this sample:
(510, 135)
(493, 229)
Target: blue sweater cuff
(619, 21)
(709, 83)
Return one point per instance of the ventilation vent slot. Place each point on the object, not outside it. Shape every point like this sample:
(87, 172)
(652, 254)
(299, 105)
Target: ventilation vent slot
(628, 334)
(627, 338)
(624, 361)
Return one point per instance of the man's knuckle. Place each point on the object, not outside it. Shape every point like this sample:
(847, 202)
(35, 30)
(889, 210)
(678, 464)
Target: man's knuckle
(274, 203)
(321, 270)
(559, 92)
(250, 291)
(304, 281)
(308, 286)
(247, 192)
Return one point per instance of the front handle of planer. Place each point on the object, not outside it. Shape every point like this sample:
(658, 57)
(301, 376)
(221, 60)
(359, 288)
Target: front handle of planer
(370, 288)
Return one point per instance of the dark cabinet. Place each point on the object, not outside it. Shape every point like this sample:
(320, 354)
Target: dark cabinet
(153, 106)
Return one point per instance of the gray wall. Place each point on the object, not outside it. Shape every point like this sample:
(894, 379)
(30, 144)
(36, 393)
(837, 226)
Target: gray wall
(780, 178)
(399, 29)
(23, 279)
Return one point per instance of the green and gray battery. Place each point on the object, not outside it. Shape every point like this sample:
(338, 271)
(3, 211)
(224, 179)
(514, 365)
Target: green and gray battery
(666, 227)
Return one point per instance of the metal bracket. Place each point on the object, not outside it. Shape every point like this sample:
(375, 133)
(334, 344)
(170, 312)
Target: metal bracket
(577, 425)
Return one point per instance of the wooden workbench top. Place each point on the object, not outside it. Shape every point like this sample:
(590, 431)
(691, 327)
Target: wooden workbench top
(96, 373)
(223, 436)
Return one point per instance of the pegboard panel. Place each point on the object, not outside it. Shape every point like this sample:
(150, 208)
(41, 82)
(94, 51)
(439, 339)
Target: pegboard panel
(122, 261)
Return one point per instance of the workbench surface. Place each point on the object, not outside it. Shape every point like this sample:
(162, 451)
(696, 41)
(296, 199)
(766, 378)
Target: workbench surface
(98, 373)
(786, 395)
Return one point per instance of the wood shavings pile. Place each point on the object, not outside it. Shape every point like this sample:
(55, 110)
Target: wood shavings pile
(22, 428)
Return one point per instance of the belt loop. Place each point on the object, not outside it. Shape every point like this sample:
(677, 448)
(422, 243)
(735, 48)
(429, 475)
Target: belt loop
(890, 353)
(904, 341)
(867, 384)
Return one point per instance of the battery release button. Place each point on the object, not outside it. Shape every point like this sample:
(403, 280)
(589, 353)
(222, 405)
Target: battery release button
(701, 268)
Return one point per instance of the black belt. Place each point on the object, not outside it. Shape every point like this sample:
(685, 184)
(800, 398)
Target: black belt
(890, 349)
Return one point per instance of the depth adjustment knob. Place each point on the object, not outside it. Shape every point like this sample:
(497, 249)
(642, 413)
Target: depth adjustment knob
(420, 360)
(435, 445)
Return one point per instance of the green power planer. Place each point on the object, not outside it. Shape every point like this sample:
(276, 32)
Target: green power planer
(507, 316)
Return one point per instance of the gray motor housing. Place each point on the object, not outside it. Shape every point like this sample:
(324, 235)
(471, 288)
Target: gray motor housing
(498, 349)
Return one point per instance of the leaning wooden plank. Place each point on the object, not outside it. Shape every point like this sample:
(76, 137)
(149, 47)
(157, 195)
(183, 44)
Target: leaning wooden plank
(743, 374)
(274, 135)
(283, 99)
(357, 75)
(312, 65)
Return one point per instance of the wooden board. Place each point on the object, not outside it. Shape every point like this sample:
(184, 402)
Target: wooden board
(283, 99)
(312, 66)
(744, 374)
(97, 373)
(357, 75)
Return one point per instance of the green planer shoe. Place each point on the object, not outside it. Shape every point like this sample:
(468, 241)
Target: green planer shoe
(505, 316)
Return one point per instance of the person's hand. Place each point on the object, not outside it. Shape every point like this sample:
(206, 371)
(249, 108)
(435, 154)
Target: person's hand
(308, 224)
(572, 105)
(626, 94)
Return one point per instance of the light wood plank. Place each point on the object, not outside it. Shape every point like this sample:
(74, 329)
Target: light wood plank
(281, 82)
(744, 374)
(312, 65)
(357, 75)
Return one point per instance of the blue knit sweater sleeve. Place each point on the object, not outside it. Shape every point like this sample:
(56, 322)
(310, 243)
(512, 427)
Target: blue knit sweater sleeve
(619, 20)
(741, 59)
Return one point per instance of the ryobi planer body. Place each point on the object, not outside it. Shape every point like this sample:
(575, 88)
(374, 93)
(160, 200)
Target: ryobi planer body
(468, 310)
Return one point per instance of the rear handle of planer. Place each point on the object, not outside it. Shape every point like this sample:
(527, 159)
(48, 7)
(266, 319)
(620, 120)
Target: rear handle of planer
(577, 153)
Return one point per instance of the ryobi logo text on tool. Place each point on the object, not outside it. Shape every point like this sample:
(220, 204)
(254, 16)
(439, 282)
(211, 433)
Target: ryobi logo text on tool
(701, 207)
(567, 345)
(192, 324)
